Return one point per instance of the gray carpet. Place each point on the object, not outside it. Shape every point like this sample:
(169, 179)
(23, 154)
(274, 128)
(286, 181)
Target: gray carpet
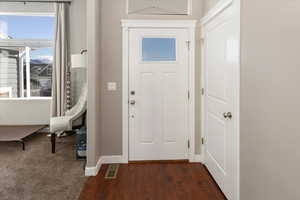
(36, 174)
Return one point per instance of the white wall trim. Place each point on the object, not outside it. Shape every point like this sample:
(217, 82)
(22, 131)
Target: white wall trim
(125, 97)
(127, 25)
(33, 43)
(47, 1)
(216, 10)
(190, 8)
(93, 171)
(198, 158)
(192, 77)
(31, 14)
(203, 91)
(26, 99)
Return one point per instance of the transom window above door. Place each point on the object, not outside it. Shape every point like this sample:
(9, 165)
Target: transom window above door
(158, 49)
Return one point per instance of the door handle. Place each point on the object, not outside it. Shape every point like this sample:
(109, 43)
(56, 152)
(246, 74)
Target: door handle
(227, 115)
(132, 102)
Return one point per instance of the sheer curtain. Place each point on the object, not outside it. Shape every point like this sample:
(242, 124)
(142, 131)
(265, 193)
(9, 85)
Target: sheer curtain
(61, 65)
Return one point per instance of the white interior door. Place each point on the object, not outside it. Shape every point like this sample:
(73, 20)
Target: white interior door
(158, 94)
(221, 68)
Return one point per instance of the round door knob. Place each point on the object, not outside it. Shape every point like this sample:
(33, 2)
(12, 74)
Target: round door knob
(227, 115)
(132, 102)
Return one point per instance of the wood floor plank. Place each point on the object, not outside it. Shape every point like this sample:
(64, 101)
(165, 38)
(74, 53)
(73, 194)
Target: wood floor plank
(154, 181)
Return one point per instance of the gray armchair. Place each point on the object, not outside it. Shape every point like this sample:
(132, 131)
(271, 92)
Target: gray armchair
(67, 122)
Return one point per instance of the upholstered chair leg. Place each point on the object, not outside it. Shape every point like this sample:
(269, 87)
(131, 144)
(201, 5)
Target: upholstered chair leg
(53, 141)
(23, 144)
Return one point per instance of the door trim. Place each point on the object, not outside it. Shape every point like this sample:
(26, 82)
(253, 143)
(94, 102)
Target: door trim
(177, 24)
(216, 10)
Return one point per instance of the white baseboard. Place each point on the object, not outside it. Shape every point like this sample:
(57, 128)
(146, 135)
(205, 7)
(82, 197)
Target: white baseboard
(198, 158)
(93, 171)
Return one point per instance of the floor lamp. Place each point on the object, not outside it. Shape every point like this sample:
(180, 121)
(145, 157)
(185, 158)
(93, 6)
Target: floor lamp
(77, 61)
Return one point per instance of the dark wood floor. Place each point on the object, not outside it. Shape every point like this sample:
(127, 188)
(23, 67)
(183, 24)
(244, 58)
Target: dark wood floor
(154, 181)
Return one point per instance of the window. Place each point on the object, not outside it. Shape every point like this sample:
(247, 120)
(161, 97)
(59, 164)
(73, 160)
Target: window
(159, 49)
(26, 56)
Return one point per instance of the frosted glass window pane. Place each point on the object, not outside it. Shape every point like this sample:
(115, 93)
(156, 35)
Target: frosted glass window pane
(159, 49)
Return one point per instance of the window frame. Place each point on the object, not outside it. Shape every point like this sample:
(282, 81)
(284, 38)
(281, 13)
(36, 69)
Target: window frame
(27, 43)
(161, 36)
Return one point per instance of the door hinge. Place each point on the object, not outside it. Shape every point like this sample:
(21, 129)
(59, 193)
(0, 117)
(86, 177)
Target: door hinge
(202, 91)
(202, 140)
(188, 143)
(188, 44)
(189, 94)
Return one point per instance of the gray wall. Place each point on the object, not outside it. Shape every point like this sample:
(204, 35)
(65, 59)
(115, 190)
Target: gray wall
(78, 25)
(111, 52)
(94, 81)
(270, 131)
(29, 7)
(77, 42)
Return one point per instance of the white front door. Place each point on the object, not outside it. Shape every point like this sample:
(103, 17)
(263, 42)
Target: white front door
(158, 94)
(221, 68)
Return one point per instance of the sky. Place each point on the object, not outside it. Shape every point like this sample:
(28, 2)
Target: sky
(30, 27)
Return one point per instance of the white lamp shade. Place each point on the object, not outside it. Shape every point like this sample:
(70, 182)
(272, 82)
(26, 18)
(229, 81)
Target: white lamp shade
(78, 61)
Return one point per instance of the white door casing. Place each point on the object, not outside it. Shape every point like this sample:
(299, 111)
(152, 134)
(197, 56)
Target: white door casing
(221, 100)
(160, 121)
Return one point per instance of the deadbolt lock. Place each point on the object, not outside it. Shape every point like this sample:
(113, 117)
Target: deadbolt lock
(227, 115)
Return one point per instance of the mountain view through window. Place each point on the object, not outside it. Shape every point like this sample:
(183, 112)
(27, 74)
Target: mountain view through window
(26, 56)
